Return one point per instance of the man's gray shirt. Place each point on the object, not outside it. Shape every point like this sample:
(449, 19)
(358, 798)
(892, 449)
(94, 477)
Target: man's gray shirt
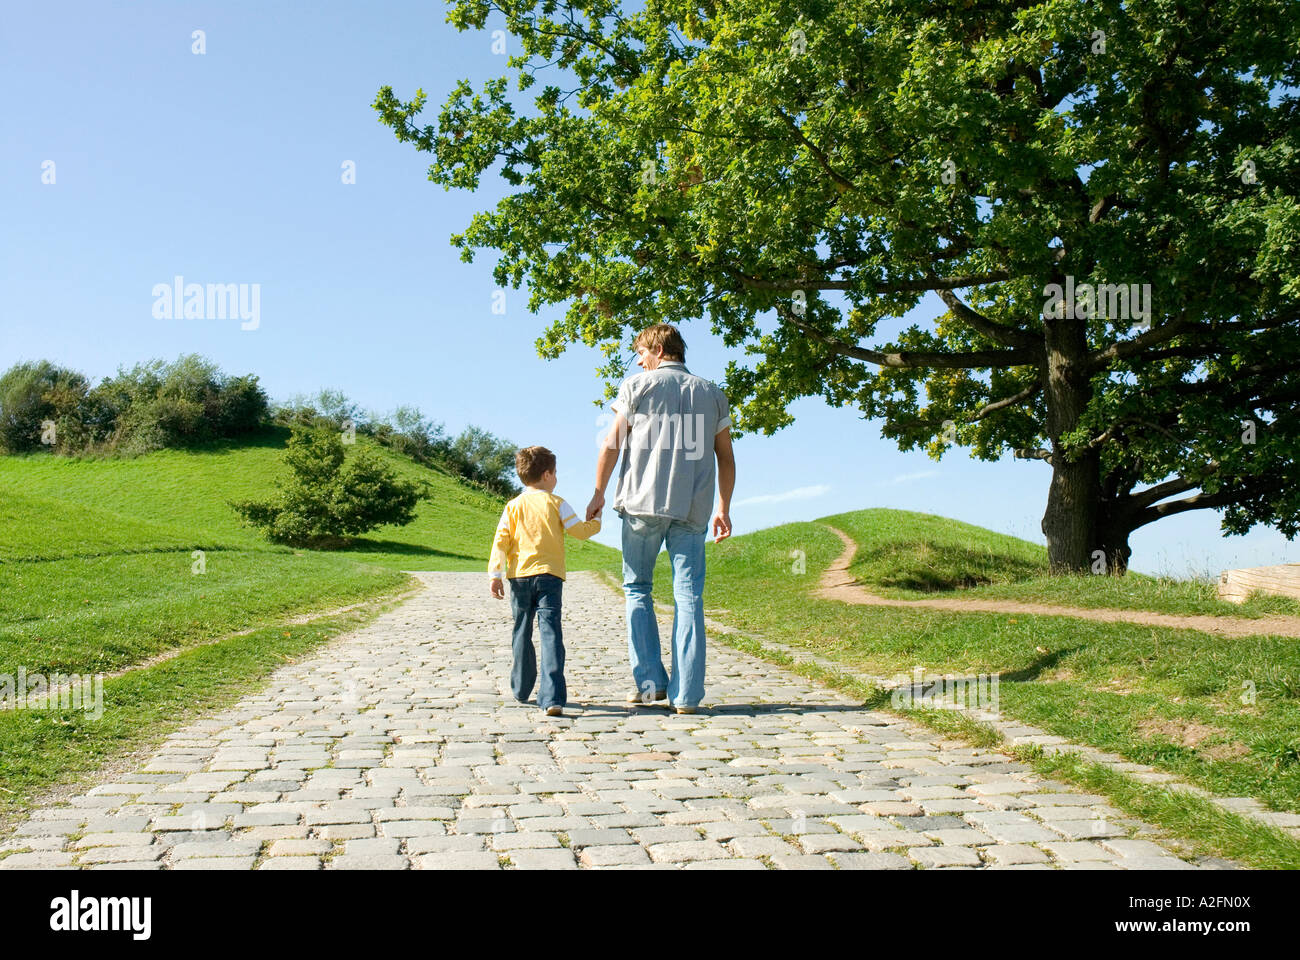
(668, 461)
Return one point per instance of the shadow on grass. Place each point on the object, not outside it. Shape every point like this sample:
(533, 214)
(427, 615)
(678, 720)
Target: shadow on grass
(365, 545)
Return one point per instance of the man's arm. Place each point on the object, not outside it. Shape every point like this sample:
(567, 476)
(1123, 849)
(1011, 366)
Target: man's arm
(606, 461)
(726, 483)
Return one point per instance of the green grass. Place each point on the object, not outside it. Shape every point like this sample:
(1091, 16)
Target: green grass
(103, 613)
(63, 507)
(41, 749)
(98, 574)
(1168, 698)
(911, 556)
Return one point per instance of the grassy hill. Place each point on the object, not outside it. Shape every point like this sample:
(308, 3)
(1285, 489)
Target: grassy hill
(98, 573)
(912, 555)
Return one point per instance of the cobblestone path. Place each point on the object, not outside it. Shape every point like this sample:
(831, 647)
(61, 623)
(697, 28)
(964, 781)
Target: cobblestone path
(399, 746)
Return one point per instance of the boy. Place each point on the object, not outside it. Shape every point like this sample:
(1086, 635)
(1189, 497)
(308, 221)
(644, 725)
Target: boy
(529, 550)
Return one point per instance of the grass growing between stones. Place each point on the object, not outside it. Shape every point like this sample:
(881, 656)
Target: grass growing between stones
(42, 750)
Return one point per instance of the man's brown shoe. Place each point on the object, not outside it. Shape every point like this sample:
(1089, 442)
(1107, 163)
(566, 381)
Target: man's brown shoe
(636, 696)
(684, 709)
(555, 711)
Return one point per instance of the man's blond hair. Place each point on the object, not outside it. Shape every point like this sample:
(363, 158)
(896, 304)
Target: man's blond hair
(665, 335)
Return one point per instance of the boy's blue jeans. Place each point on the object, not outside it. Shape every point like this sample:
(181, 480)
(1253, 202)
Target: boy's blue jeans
(642, 537)
(539, 596)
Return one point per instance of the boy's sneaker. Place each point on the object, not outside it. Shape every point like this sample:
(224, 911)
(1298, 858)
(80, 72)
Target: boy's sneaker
(636, 696)
(555, 711)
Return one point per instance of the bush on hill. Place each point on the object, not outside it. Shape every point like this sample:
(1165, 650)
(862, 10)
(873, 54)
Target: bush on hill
(148, 407)
(158, 405)
(327, 496)
(474, 454)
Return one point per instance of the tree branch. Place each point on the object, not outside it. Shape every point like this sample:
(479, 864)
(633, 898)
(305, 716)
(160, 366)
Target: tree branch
(1005, 402)
(898, 286)
(912, 359)
(1007, 336)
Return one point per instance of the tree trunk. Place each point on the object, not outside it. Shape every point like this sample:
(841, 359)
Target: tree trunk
(1073, 515)
(1113, 542)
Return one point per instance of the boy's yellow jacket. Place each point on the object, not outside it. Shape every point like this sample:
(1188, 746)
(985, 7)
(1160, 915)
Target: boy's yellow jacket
(530, 535)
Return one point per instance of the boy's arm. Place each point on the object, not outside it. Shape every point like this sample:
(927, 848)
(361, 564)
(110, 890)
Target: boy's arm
(582, 529)
(500, 547)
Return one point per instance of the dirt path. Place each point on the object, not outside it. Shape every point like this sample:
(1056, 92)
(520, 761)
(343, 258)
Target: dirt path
(837, 584)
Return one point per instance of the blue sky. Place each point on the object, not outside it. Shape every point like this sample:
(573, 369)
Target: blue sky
(226, 167)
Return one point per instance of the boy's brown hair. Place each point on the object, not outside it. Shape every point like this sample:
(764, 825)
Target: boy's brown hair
(664, 334)
(532, 462)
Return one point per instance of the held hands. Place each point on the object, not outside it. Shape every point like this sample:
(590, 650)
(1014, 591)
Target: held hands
(721, 526)
(498, 588)
(596, 505)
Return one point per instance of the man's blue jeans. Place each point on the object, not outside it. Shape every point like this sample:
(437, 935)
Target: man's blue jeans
(540, 596)
(642, 538)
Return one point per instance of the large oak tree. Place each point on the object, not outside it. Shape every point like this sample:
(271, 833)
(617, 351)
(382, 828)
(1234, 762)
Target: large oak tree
(803, 172)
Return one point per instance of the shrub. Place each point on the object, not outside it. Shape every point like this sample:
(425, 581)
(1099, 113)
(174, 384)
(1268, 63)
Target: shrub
(152, 405)
(328, 496)
(33, 394)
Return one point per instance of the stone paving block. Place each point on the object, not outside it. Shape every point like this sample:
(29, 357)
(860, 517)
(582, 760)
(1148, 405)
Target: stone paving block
(227, 848)
(215, 863)
(534, 859)
(1134, 848)
(646, 836)
(114, 840)
(458, 860)
(1069, 851)
(828, 842)
(291, 863)
(723, 830)
(1014, 853)
(768, 846)
(449, 844)
(346, 831)
(944, 856)
(612, 856)
(1153, 863)
(349, 861)
(733, 864)
(121, 854)
(1084, 829)
(893, 808)
(871, 861)
(1017, 833)
(964, 837)
(598, 838)
(128, 865)
(801, 862)
(416, 813)
(298, 848)
(412, 828)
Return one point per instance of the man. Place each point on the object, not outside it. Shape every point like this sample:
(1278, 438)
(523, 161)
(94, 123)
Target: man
(669, 425)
